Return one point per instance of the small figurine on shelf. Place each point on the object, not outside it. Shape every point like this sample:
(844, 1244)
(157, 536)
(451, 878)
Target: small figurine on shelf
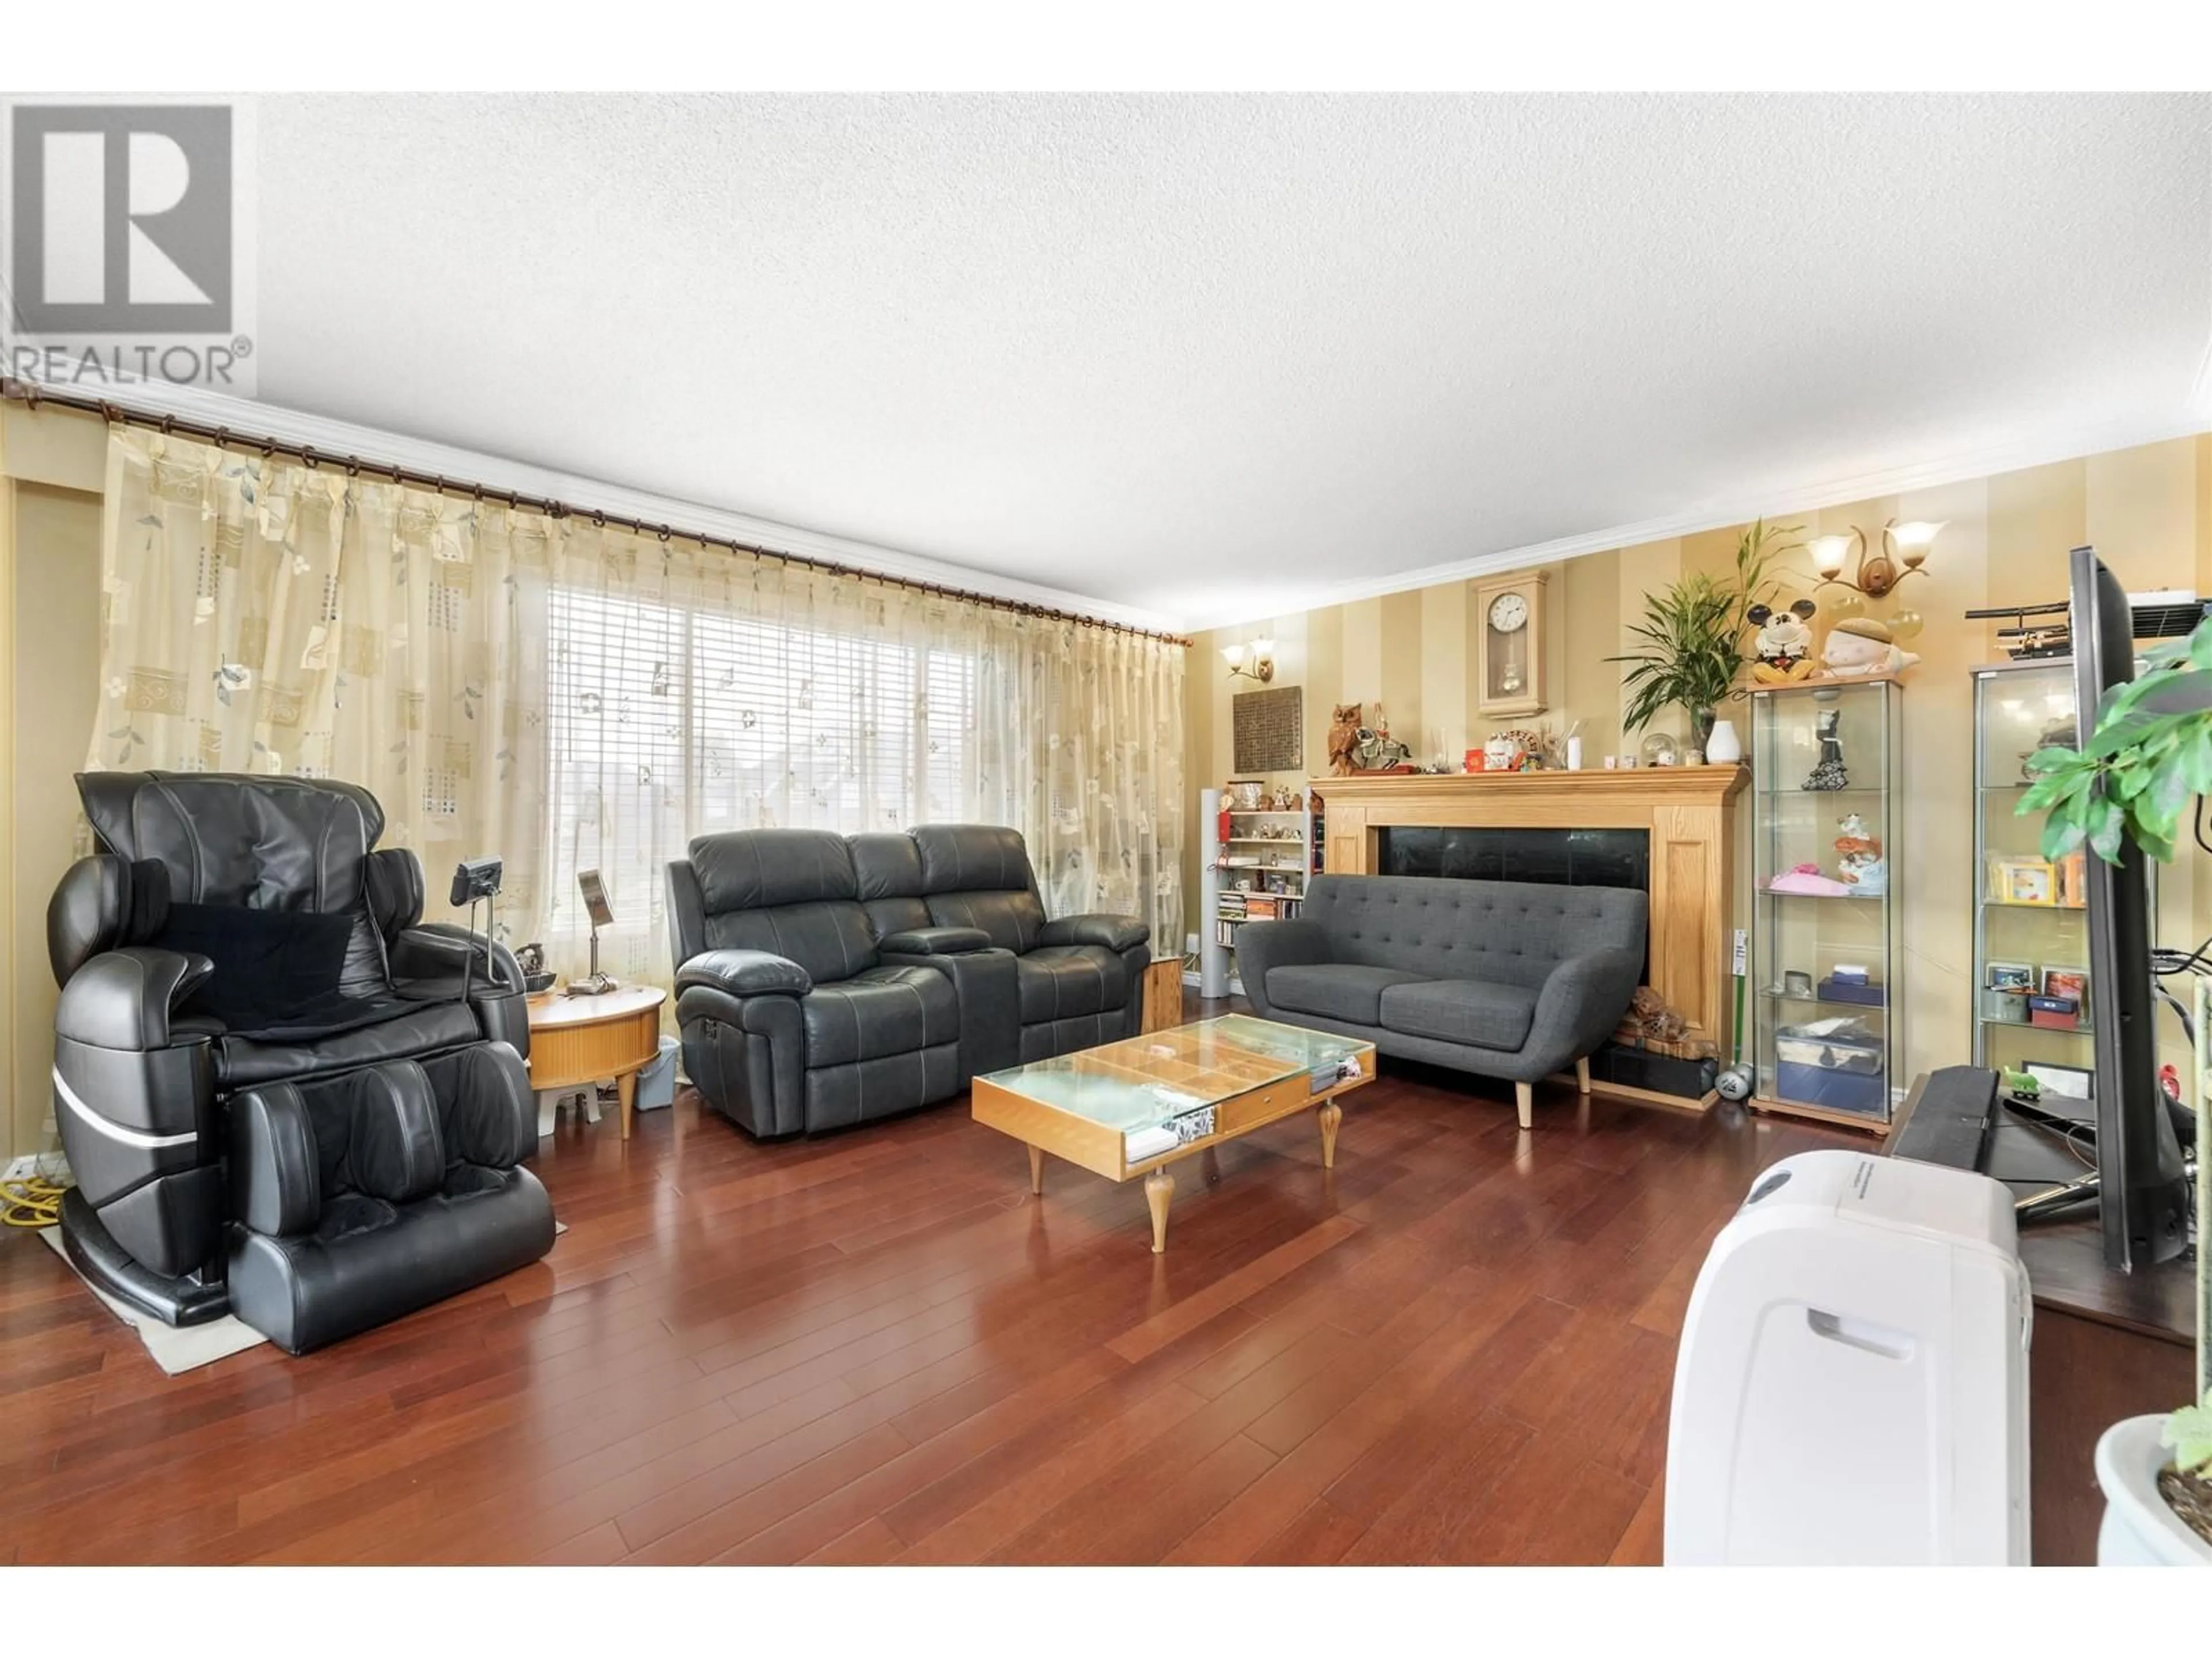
(1376, 751)
(1781, 652)
(1343, 739)
(1857, 646)
(1503, 753)
(1830, 772)
(1859, 862)
(1539, 749)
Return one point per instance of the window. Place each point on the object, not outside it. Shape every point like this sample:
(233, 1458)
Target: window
(667, 721)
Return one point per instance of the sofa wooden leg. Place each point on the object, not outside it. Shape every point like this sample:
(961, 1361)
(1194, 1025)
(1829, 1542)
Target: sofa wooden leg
(1582, 1074)
(1524, 1102)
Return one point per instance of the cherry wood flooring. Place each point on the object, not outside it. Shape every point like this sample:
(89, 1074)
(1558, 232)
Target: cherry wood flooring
(879, 1347)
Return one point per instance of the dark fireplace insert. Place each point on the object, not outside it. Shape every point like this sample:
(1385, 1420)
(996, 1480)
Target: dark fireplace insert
(1570, 858)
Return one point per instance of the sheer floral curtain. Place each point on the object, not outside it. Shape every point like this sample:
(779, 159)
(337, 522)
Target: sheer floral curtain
(691, 690)
(258, 616)
(575, 696)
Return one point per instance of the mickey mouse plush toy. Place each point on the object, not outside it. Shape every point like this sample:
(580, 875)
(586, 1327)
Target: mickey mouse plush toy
(1782, 653)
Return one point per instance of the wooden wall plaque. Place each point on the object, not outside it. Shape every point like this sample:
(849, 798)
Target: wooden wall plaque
(1269, 729)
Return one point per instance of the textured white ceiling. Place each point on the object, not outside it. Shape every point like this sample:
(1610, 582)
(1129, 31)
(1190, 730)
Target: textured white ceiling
(1213, 356)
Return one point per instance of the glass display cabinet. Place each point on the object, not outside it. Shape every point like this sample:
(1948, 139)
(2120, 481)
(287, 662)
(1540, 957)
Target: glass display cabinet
(1827, 945)
(2034, 1007)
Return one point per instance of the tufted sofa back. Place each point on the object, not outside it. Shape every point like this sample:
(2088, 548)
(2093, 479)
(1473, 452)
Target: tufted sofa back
(789, 891)
(1509, 932)
(978, 875)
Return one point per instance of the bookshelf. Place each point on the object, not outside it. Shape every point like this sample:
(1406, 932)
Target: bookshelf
(1256, 861)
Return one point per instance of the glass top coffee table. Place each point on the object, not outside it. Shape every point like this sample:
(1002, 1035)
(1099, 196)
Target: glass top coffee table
(1132, 1107)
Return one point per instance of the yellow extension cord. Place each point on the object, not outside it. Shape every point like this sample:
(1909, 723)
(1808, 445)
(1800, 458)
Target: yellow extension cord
(33, 1202)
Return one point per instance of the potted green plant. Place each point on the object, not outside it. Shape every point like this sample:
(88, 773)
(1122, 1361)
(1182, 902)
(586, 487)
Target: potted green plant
(2158, 1507)
(2146, 759)
(1692, 632)
(2144, 765)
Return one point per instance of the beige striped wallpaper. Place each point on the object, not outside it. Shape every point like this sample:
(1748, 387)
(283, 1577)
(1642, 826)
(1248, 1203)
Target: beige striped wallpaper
(2148, 510)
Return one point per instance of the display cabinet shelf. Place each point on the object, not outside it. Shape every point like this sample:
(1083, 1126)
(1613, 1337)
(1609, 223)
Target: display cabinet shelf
(2019, 707)
(1814, 1055)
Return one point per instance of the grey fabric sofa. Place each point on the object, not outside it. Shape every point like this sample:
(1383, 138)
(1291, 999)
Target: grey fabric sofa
(823, 981)
(1509, 979)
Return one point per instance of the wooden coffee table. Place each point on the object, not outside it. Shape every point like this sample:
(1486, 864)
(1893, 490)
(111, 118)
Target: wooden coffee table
(1247, 1073)
(575, 1041)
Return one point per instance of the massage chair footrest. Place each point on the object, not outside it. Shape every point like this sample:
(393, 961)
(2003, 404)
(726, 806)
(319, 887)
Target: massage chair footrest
(361, 1198)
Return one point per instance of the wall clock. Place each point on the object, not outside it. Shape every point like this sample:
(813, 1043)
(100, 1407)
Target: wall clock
(1509, 646)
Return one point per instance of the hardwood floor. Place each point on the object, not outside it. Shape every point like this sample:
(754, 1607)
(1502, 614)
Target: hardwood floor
(879, 1347)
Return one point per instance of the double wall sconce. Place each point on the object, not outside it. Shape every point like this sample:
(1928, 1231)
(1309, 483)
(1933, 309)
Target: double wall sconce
(1261, 654)
(1904, 549)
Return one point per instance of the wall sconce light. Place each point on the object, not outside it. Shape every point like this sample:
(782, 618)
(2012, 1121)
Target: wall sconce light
(1904, 550)
(1261, 655)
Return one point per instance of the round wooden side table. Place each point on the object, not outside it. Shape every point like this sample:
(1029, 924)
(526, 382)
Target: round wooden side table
(575, 1041)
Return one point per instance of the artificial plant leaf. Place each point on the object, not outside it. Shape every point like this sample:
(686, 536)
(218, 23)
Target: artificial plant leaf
(2106, 824)
(2189, 1432)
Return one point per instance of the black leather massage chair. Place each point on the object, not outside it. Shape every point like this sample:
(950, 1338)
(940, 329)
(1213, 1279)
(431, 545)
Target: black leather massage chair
(282, 1093)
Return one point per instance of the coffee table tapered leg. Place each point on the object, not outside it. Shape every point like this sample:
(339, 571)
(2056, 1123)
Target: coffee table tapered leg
(1159, 1188)
(1036, 1170)
(1332, 1114)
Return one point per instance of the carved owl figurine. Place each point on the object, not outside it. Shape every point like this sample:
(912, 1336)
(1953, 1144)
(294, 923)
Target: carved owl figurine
(1343, 738)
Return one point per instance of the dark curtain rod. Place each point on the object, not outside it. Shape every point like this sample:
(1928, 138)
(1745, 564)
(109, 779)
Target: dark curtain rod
(222, 437)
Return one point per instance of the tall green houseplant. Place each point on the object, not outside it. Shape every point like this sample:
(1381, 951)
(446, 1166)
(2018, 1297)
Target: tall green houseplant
(1693, 633)
(2144, 764)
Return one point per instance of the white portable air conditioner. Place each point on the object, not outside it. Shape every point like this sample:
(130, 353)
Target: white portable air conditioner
(1852, 1382)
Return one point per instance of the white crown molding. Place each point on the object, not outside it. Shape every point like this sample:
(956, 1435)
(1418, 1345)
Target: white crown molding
(1287, 599)
(1278, 599)
(340, 439)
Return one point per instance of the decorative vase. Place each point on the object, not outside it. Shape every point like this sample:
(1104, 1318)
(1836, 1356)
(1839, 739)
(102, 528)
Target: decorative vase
(1701, 726)
(1723, 746)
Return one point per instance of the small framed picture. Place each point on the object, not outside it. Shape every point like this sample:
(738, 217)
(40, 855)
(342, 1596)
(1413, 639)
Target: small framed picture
(2068, 982)
(1796, 982)
(2012, 977)
(2069, 1080)
(2024, 881)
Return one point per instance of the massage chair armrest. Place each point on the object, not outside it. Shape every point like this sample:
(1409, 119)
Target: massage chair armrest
(744, 974)
(1115, 932)
(1582, 1001)
(103, 902)
(444, 949)
(123, 999)
(933, 942)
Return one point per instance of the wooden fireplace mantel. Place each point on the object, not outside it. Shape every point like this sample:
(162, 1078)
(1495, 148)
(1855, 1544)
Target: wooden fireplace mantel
(1687, 810)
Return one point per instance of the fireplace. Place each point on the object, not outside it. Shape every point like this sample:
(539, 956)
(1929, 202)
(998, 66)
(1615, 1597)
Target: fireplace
(1564, 858)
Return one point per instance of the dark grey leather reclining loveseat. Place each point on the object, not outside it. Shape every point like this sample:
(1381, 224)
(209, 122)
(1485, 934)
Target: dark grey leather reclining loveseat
(282, 1095)
(1510, 979)
(823, 981)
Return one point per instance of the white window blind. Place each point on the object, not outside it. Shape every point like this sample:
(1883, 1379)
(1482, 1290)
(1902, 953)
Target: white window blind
(667, 721)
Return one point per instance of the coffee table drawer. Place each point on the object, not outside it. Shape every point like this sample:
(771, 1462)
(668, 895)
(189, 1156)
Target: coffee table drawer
(1247, 1112)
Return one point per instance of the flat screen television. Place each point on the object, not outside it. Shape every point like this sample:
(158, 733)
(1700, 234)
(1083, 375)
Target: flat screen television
(2143, 1197)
